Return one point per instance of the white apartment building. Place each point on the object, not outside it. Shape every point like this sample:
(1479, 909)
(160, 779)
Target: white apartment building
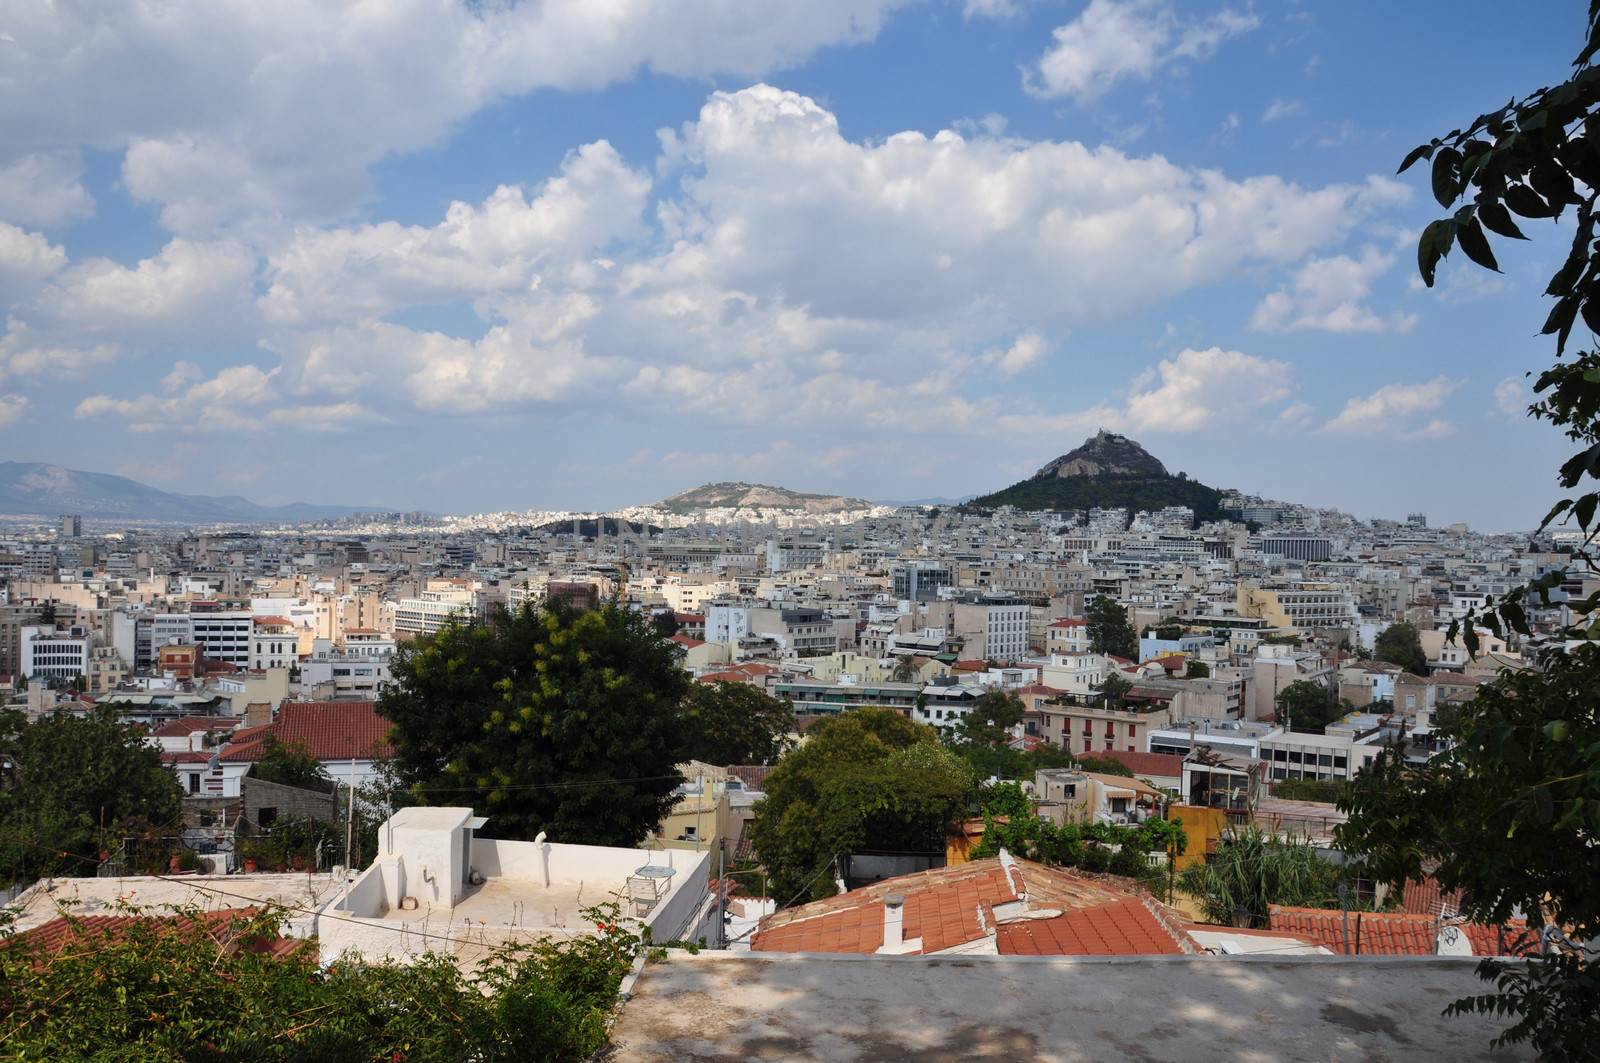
(1002, 623)
(224, 636)
(273, 643)
(51, 654)
(430, 611)
(727, 621)
(1292, 755)
(1067, 636)
(1076, 673)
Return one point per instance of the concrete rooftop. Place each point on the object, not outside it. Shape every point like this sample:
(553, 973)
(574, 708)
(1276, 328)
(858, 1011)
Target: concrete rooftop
(1060, 1010)
(305, 895)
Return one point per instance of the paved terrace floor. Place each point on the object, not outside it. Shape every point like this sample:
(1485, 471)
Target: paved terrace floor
(1061, 1010)
(304, 894)
(499, 912)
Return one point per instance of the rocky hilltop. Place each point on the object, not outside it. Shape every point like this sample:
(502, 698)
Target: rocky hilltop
(740, 495)
(1104, 454)
(1106, 472)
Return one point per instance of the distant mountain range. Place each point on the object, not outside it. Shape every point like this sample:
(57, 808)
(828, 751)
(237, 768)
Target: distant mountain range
(739, 495)
(1107, 471)
(30, 488)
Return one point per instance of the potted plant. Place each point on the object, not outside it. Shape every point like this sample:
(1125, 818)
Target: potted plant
(250, 855)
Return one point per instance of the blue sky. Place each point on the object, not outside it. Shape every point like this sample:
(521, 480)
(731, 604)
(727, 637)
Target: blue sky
(547, 255)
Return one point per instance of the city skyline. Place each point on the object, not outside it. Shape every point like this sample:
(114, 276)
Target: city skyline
(881, 249)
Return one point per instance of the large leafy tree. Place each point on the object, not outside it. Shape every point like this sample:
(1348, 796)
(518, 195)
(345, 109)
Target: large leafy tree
(1510, 814)
(74, 783)
(1307, 707)
(1402, 644)
(735, 723)
(868, 779)
(982, 737)
(544, 719)
(1109, 630)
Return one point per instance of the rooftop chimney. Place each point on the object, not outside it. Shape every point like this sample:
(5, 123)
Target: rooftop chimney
(894, 906)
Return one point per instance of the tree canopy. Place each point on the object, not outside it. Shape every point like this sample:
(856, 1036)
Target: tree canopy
(546, 719)
(1308, 707)
(289, 764)
(1402, 644)
(868, 779)
(735, 723)
(77, 782)
(1507, 814)
(1109, 629)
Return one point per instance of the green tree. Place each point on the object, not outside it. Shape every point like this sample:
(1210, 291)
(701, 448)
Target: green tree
(1308, 707)
(905, 670)
(1197, 670)
(1507, 814)
(1004, 799)
(735, 723)
(189, 987)
(1402, 644)
(864, 780)
(1109, 630)
(1115, 688)
(983, 736)
(1104, 766)
(290, 764)
(75, 781)
(1252, 870)
(544, 719)
(666, 623)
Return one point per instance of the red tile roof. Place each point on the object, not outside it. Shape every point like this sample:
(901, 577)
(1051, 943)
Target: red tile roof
(1392, 933)
(328, 730)
(1146, 765)
(1125, 928)
(956, 905)
(62, 933)
(1069, 623)
(686, 642)
(188, 725)
(1425, 898)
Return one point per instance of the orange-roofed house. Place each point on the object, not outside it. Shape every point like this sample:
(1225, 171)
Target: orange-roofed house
(995, 906)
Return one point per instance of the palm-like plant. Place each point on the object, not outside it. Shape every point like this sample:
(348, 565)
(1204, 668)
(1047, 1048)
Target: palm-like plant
(1252, 870)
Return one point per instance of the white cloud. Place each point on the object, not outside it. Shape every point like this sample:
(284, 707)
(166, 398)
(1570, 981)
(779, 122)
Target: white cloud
(1512, 398)
(238, 398)
(1328, 294)
(27, 259)
(12, 407)
(785, 271)
(991, 8)
(1113, 40)
(1278, 110)
(1403, 410)
(1198, 389)
(183, 289)
(501, 246)
(277, 110)
(1028, 351)
(44, 188)
(21, 357)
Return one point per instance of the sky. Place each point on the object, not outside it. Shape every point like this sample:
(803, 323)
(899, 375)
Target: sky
(559, 254)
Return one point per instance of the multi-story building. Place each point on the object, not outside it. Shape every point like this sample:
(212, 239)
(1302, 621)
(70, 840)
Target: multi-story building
(921, 580)
(1298, 607)
(994, 627)
(49, 653)
(429, 612)
(273, 643)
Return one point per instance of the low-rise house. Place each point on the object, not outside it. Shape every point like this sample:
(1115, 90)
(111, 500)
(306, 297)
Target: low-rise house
(996, 906)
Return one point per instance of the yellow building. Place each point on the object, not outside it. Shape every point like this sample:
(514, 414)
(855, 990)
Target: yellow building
(701, 819)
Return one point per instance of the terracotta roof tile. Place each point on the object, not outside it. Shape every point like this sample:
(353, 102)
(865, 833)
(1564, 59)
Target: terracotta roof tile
(1391, 933)
(328, 730)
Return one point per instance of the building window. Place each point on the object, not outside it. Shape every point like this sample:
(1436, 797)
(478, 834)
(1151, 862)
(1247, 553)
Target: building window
(194, 782)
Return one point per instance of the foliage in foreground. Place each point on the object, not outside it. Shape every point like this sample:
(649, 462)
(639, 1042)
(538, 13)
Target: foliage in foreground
(1252, 870)
(1508, 815)
(175, 989)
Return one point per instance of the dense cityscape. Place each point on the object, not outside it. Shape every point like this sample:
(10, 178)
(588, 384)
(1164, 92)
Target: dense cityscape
(1139, 600)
